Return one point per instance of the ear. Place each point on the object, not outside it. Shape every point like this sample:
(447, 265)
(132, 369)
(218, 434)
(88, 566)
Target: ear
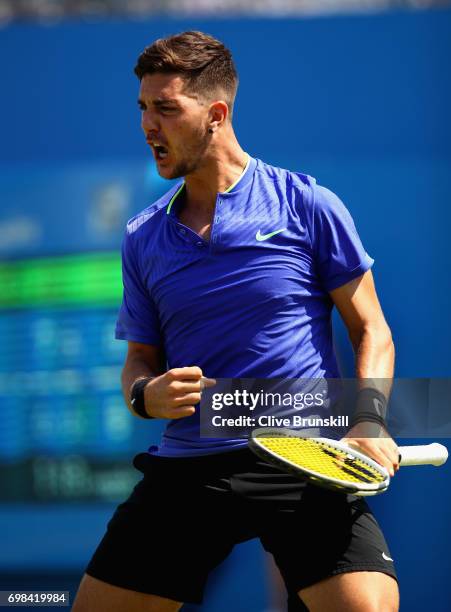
(218, 114)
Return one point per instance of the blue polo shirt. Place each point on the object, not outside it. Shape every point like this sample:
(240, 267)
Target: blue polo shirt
(253, 301)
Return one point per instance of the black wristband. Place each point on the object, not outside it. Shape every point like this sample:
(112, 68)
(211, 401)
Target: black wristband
(371, 406)
(137, 397)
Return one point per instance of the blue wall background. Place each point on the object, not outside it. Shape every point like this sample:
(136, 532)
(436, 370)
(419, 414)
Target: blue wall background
(363, 104)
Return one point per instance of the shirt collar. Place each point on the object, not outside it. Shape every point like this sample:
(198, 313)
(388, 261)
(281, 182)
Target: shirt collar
(236, 188)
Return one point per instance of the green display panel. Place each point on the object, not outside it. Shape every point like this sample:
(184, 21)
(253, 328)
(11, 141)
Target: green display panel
(88, 279)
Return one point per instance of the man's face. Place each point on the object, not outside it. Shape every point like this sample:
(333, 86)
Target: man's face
(175, 124)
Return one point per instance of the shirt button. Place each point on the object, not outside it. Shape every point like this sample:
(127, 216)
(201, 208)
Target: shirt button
(199, 244)
(217, 219)
(182, 231)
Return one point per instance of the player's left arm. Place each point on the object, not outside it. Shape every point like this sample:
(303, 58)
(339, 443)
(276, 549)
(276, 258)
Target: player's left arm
(371, 338)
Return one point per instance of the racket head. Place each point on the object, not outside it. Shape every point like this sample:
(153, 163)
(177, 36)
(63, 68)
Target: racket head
(326, 463)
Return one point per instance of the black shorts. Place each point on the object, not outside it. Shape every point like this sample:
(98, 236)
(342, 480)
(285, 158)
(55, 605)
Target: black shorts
(184, 517)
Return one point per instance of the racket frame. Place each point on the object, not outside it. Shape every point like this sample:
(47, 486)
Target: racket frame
(328, 482)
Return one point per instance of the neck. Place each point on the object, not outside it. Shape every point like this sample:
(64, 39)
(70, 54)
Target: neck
(222, 166)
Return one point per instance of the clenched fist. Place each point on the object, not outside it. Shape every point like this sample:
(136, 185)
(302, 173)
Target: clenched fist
(173, 395)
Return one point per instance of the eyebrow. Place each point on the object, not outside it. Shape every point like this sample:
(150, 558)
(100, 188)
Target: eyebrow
(158, 102)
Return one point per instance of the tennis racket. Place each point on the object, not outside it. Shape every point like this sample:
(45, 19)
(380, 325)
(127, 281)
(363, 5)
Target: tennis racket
(332, 464)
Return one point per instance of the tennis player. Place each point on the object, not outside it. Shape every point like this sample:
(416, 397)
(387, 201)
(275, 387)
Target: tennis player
(234, 273)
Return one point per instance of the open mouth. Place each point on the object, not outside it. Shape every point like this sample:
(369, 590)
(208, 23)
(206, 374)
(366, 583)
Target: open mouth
(161, 152)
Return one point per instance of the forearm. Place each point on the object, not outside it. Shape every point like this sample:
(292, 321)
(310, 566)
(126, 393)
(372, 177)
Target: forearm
(375, 358)
(135, 368)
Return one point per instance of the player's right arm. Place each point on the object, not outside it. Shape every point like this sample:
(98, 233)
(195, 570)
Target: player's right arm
(167, 395)
(170, 394)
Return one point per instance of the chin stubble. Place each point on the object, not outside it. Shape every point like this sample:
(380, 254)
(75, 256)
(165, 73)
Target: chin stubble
(192, 159)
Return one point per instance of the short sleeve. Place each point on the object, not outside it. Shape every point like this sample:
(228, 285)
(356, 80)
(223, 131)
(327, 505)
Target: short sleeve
(338, 250)
(138, 319)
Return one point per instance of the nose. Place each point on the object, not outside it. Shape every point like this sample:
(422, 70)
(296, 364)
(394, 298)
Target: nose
(149, 121)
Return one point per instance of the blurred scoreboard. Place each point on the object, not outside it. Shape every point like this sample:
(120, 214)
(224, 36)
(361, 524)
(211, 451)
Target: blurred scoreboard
(65, 432)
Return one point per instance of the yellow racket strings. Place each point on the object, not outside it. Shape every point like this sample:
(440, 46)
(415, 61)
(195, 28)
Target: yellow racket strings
(322, 458)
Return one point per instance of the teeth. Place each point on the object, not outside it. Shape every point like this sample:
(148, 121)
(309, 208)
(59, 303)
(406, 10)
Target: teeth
(160, 150)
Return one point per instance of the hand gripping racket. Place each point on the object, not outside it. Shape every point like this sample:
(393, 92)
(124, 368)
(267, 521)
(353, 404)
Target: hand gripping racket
(332, 464)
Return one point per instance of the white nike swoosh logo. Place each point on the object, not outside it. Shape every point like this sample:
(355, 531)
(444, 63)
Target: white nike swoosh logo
(260, 237)
(384, 556)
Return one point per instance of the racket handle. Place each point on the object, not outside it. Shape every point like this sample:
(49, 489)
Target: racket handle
(426, 454)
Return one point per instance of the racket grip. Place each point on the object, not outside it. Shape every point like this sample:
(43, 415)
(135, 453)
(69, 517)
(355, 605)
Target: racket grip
(426, 454)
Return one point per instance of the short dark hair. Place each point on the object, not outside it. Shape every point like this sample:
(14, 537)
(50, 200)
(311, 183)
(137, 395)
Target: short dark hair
(203, 62)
